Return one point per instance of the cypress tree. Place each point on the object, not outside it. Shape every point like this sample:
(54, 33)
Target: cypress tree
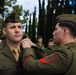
(67, 8)
(43, 30)
(29, 29)
(39, 22)
(49, 17)
(34, 26)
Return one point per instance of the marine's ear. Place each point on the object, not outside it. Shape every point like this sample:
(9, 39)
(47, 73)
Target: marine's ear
(4, 31)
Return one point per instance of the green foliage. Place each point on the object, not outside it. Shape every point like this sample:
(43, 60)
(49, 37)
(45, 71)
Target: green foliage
(8, 3)
(26, 13)
(4, 4)
(46, 20)
(25, 16)
(1, 6)
(34, 26)
(54, 8)
(1, 3)
(30, 28)
(18, 9)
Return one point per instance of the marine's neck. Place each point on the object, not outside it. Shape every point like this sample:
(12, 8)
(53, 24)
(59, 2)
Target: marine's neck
(67, 41)
(13, 44)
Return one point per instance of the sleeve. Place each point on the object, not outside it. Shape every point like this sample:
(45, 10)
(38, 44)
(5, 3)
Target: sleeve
(57, 62)
(39, 52)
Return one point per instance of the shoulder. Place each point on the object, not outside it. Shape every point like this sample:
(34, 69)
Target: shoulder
(3, 45)
(69, 46)
(66, 50)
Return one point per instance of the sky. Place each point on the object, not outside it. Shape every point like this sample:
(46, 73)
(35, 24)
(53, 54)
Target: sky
(29, 5)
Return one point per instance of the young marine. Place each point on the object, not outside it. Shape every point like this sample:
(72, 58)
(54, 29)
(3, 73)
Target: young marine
(62, 61)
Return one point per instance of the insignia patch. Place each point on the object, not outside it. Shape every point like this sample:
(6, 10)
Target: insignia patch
(48, 59)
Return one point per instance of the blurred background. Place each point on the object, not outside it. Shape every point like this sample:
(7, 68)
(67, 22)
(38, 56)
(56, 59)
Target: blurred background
(38, 16)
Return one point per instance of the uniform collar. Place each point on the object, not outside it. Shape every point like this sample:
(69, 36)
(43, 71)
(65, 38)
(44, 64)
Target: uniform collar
(13, 48)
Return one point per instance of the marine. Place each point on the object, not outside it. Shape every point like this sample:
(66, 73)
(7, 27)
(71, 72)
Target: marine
(62, 60)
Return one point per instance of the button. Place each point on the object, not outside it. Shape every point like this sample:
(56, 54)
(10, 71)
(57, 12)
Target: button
(4, 67)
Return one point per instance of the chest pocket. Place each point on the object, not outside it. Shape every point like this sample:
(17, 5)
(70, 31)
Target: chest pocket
(5, 66)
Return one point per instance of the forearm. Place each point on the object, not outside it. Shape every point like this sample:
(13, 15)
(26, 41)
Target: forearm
(44, 65)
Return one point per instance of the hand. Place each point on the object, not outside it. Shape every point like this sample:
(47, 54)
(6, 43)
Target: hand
(27, 43)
